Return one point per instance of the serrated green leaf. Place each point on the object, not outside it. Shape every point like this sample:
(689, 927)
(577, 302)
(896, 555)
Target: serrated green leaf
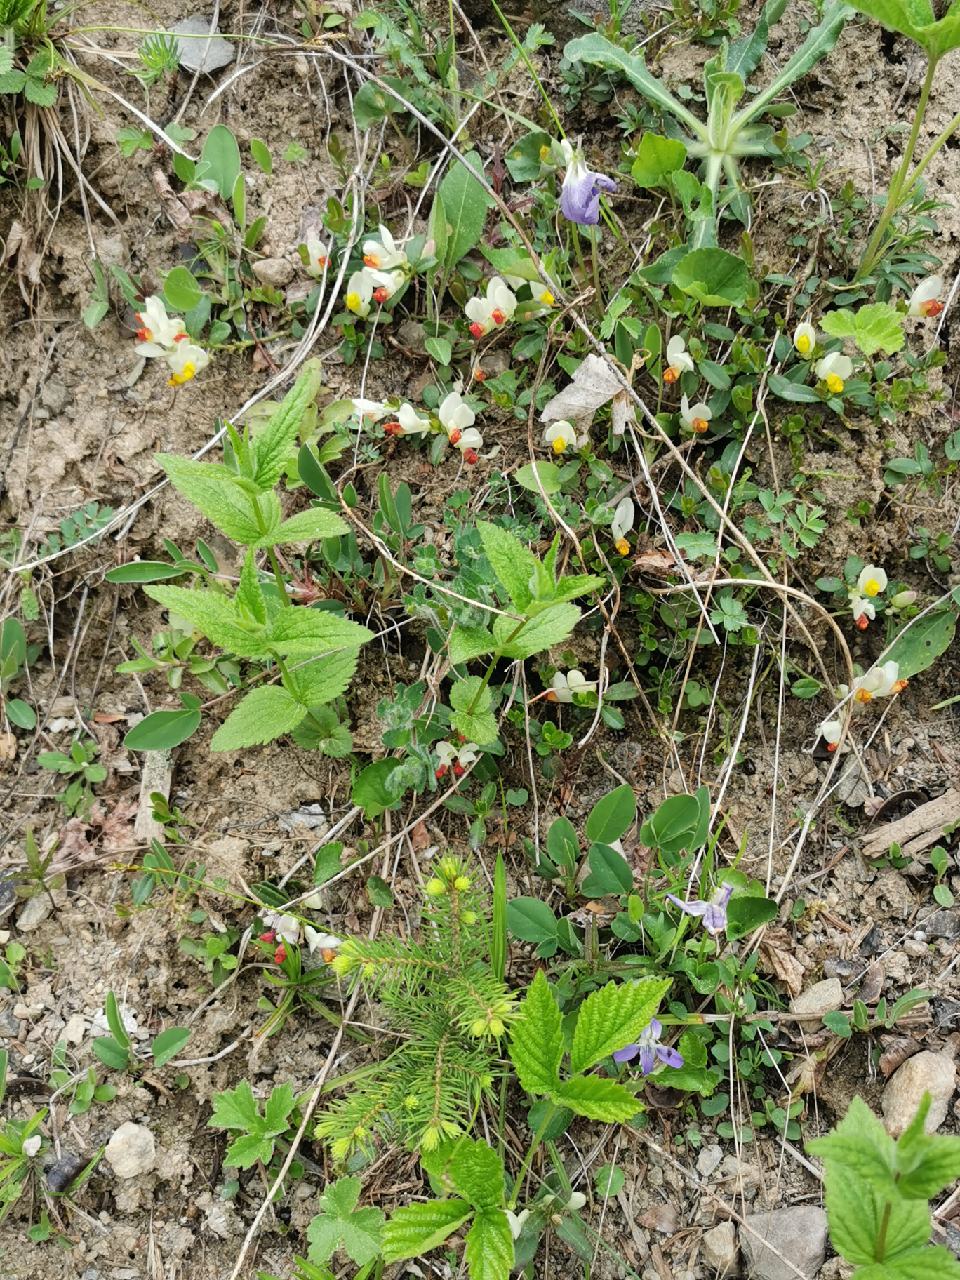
(855, 1211)
(306, 526)
(477, 1173)
(469, 642)
(276, 1113)
(489, 1246)
(539, 633)
(875, 327)
(471, 700)
(264, 714)
(536, 1038)
(930, 1263)
(274, 445)
(597, 1099)
(306, 633)
(218, 618)
(249, 594)
(417, 1228)
(247, 1150)
(235, 1109)
(322, 681)
(861, 1145)
(213, 490)
(613, 1017)
(514, 564)
(577, 584)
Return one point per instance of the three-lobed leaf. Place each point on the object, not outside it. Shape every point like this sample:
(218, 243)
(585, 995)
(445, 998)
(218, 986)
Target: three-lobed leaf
(340, 1224)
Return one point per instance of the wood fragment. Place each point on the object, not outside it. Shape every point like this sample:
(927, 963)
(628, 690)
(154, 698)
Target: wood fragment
(918, 830)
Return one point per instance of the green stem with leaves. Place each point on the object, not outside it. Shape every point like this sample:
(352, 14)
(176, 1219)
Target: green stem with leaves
(535, 1141)
(898, 184)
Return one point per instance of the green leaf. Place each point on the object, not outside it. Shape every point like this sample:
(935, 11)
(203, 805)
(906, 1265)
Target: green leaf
(261, 155)
(340, 1223)
(931, 1263)
(531, 920)
(489, 1246)
(875, 327)
(536, 1038)
(601, 52)
(927, 1163)
(39, 92)
(714, 277)
(609, 1180)
(275, 444)
(464, 203)
(613, 1017)
(111, 1054)
(163, 730)
(299, 632)
(514, 564)
(235, 1109)
(477, 1173)
(248, 1150)
(264, 714)
(168, 1044)
(221, 160)
(539, 633)
(213, 490)
(372, 790)
(597, 1099)
(656, 159)
(818, 43)
(144, 571)
(439, 349)
(612, 815)
(249, 594)
(216, 617)
(609, 872)
(181, 291)
(563, 845)
(417, 1228)
(855, 1211)
(469, 642)
(306, 526)
(681, 822)
(795, 392)
(921, 642)
(746, 913)
(324, 680)
(472, 700)
(20, 713)
(548, 473)
(321, 730)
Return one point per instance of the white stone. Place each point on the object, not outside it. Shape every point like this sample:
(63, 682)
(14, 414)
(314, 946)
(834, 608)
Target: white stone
(823, 997)
(75, 1029)
(708, 1160)
(273, 271)
(719, 1248)
(925, 1072)
(207, 54)
(34, 912)
(131, 1150)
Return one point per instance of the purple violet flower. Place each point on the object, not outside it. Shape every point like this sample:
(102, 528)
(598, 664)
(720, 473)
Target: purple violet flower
(649, 1048)
(713, 913)
(580, 195)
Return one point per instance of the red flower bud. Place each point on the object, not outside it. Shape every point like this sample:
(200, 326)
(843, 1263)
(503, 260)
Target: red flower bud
(393, 428)
(498, 317)
(832, 746)
(280, 954)
(458, 770)
(479, 375)
(381, 295)
(932, 307)
(477, 330)
(455, 435)
(470, 457)
(863, 622)
(441, 772)
(269, 936)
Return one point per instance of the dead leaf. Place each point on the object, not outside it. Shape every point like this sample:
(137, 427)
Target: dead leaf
(420, 837)
(8, 746)
(872, 983)
(659, 564)
(660, 1217)
(594, 385)
(776, 956)
(896, 1050)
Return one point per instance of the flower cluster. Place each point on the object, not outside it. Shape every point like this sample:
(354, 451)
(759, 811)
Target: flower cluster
(163, 337)
(283, 929)
(492, 311)
(454, 418)
(385, 270)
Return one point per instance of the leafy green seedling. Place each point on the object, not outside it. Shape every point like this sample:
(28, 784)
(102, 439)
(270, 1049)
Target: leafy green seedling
(257, 1132)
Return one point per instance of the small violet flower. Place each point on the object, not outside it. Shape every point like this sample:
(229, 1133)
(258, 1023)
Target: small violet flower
(580, 194)
(925, 299)
(713, 913)
(650, 1050)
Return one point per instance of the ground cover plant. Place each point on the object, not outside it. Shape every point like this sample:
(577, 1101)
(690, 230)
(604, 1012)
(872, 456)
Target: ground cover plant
(478, 658)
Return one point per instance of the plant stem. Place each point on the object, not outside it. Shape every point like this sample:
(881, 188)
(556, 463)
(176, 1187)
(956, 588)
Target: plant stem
(896, 193)
(531, 1152)
(281, 585)
(880, 1248)
(928, 155)
(594, 238)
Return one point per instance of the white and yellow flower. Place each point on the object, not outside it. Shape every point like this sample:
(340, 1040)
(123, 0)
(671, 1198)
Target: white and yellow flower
(359, 295)
(697, 417)
(621, 525)
(864, 611)
(872, 581)
(496, 308)
(386, 284)
(566, 685)
(158, 332)
(925, 299)
(804, 339)
(834, 369)
(879, 682)
(384, 253)
(560, 436)
(830, 731)
(679, 359)
(185, 360)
